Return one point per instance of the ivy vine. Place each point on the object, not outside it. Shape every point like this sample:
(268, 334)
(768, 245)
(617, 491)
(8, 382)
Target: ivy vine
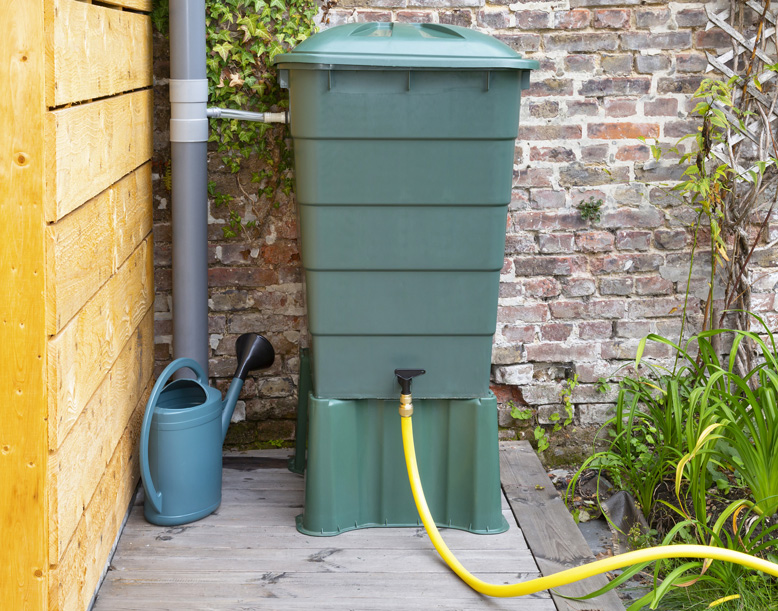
(242, 38)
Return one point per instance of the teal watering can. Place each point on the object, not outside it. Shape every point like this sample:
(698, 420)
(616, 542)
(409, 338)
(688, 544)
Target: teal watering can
(182, 435)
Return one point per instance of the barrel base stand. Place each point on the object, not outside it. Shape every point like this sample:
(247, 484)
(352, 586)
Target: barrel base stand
(355, 473)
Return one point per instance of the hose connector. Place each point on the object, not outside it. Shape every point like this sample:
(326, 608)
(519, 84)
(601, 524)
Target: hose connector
(404, 378)
(406, 406)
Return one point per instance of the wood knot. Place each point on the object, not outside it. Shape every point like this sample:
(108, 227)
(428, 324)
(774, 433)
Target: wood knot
(22, 159)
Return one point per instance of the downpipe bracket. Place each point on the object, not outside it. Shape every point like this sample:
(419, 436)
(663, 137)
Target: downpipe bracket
(245, 115)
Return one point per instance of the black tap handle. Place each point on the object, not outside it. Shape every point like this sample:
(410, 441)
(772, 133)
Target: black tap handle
(405, 376)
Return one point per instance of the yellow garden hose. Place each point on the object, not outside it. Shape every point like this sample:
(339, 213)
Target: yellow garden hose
(569, 575)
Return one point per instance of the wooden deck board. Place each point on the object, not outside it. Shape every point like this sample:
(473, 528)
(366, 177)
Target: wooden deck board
(555, 541)
(248, 555)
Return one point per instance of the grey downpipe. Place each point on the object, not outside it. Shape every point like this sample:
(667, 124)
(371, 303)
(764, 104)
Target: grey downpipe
(189, 166)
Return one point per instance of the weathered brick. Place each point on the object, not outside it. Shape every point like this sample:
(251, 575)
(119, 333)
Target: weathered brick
(648, 64)
(616, 65)
(507, 269)
(655, 307)
(549, 87)
(633, 152)
(521, 42)
(549, 266)
(623, 263)
(626, 350)
(616, 286)
(540, 287)
(645, 217)
(572, 20)
(577, 287)
(691, 62)
(556, 242)
(557, 154)
(580, 63)
(653, 285)
(679, 129)
(515, 375)
(618, 107)
(546, 198)
(234, 299)
(633, 240)
(577, 3)
(691, 18)
(597, 153)
(576, 43)
(433, 4)
(633, 328)
(519, 199)
(415, 16)
(543, 110)
(586, 108)
(661, 107)
(461, 18)
(550, 132)
(555, 332)
(558, 352)
(626, 130)
(670, 239)
(495, 17)
(509, 290)
(631, 193)
(536, 312)
(548, 220)
(541, 393)
(369, 16)
(679, 84)
(594, 241)
(577, 174)
(595, 329)
(656, 40)
(594, 413)
(615, 86)
(520, 243)
(338, 16)
(607, 308)
(519, 333)
(615, 19)
(714, 39)
(652, 17)
(507, 355)
(532, 177)
(241, 276)
(533, 20)
(652, 171)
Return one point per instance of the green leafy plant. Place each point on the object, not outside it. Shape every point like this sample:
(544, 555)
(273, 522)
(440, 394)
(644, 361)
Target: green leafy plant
(590, 209)
(243, 37)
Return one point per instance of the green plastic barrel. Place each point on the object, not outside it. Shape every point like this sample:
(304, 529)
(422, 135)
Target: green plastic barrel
(404, 139)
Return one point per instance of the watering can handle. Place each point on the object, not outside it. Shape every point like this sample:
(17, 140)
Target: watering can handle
(152, 495)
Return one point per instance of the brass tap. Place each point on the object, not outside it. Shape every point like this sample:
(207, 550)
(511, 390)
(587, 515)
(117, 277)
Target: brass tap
(406, 406)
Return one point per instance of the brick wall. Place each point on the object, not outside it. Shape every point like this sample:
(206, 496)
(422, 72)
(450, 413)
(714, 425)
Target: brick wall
(576, 296)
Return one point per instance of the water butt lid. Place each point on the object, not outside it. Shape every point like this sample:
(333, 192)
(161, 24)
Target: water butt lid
(403, 45)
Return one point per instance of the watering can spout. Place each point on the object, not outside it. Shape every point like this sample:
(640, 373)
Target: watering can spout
(253, 352)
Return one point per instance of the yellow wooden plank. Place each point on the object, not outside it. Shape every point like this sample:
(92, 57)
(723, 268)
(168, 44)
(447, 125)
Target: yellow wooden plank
(87, 347)
(95, 52)
(23, 456)
(86, 247)
(76, 576)
(138, 5)
(91, 146)
(76, 468)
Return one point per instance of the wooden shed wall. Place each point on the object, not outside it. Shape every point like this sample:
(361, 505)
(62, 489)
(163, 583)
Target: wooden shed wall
(76, 264)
